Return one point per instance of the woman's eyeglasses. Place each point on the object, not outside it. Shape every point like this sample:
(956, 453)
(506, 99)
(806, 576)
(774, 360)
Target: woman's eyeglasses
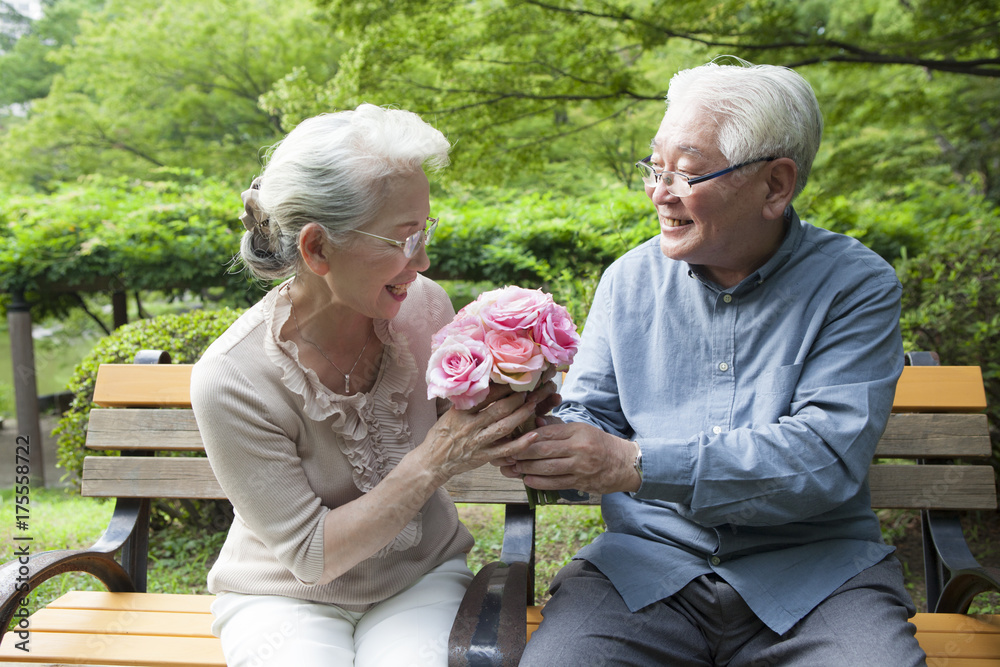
(411, 245)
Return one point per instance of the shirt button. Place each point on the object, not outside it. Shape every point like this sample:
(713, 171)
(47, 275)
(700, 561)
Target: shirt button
(715, 560)
(723, 367)
(716, 430)
(728, 298)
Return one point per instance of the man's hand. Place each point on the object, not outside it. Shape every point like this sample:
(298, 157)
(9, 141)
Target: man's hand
(575, 456)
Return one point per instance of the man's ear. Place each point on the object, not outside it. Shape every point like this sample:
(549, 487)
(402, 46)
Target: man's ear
(313, 248)
(780, 176)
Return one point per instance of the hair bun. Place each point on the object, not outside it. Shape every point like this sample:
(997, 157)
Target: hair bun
(253, 217)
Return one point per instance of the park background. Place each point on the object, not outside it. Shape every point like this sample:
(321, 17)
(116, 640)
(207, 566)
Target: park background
(128, 129)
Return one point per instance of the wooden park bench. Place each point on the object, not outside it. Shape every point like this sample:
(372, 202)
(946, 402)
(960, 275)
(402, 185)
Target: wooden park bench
(145, 409)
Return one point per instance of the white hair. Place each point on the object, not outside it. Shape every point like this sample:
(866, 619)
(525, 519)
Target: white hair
(761, 110)
(334, 169)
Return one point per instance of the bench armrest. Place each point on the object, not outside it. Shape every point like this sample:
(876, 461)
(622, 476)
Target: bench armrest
(491, 626)
(19, 577)
(953, 575)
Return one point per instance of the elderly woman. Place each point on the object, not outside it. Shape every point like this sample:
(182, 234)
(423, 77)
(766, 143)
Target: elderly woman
(345, 549)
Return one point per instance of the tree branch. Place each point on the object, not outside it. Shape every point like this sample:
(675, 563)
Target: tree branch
(93, 316)
(984, 67)
(494, 96)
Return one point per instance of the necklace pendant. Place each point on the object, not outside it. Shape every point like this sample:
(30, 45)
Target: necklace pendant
(347, 384)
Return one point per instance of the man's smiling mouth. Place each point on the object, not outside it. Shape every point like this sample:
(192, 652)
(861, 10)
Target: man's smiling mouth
(672, 222)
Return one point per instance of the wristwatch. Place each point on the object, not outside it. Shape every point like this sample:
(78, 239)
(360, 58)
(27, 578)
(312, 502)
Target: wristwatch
(638, 461)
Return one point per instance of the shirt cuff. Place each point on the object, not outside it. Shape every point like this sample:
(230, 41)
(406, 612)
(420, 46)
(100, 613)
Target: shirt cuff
(667, 470)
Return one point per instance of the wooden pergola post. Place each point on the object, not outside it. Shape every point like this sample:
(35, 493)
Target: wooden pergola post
(119, 308)
(22, 352)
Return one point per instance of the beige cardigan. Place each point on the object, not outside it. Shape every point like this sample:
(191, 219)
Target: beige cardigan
(286, 449)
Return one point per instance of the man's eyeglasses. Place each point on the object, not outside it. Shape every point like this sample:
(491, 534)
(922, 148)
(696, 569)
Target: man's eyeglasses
(679, 185)
(412, 243)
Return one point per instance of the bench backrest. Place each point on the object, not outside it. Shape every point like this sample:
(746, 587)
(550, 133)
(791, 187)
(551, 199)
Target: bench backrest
(937, 420)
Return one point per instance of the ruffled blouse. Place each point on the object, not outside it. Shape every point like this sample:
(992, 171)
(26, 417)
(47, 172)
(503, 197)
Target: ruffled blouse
(371, 427)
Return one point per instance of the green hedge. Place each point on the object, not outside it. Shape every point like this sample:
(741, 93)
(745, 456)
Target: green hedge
(908, 220)
(99, 234)
(951, 305)
(559, 244)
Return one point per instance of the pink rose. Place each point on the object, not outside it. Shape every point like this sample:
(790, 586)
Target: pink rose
(517, 361)
(473, 307)
(464, 325)
(514, 308)
(459, 369)
(556, 336)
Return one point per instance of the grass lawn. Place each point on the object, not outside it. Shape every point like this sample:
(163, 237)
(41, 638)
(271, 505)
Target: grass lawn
(180, 557)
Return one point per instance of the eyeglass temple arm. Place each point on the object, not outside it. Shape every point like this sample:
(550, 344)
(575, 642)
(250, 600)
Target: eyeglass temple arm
(699, 179)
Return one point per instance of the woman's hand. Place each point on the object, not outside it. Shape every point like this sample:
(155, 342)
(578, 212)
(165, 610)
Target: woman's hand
(463, 440)
(549, 399)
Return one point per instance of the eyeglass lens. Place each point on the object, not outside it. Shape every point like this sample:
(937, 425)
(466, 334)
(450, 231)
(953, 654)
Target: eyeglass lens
(413, 241)
(676, 186)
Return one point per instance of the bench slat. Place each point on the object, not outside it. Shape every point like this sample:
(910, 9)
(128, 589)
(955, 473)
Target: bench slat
(143, 429)
(192, 477)
(167, 602)
(921, 388)
(893, 486)
(942, 487)
(958, 623)
(86, 649)
(940, 389)
(96, 621)
(947, 645)
(149, 477)
(146, 385)
(906, 435)
(935, 436)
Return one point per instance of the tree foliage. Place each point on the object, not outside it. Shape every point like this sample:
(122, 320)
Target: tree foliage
(521, 84)
(26, 69)
(147, 84)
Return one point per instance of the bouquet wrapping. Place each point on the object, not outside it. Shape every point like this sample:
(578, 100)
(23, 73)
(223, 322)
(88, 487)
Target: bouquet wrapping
(506, 336)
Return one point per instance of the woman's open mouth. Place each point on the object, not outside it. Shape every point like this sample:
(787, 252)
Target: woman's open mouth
(398, 290)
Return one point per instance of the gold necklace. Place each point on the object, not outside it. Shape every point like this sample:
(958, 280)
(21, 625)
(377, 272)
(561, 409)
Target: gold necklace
(347, 375)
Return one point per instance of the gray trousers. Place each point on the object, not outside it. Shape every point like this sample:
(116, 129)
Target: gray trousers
(586, 624)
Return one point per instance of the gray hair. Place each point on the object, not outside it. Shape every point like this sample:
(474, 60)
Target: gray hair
(761, 111)
(333, 169)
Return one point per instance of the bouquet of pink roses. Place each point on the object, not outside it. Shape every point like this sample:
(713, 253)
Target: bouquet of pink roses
(509, 336)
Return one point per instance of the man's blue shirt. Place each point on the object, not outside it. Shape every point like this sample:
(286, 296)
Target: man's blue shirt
(757, 409)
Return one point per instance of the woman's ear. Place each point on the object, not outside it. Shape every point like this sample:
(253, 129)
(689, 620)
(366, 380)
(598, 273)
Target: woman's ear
(781, 175)
(313, 249)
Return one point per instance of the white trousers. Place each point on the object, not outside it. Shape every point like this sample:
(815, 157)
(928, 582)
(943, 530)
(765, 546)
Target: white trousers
(410, 629)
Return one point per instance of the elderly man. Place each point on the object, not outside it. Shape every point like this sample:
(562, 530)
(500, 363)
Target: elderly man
(734, 377)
